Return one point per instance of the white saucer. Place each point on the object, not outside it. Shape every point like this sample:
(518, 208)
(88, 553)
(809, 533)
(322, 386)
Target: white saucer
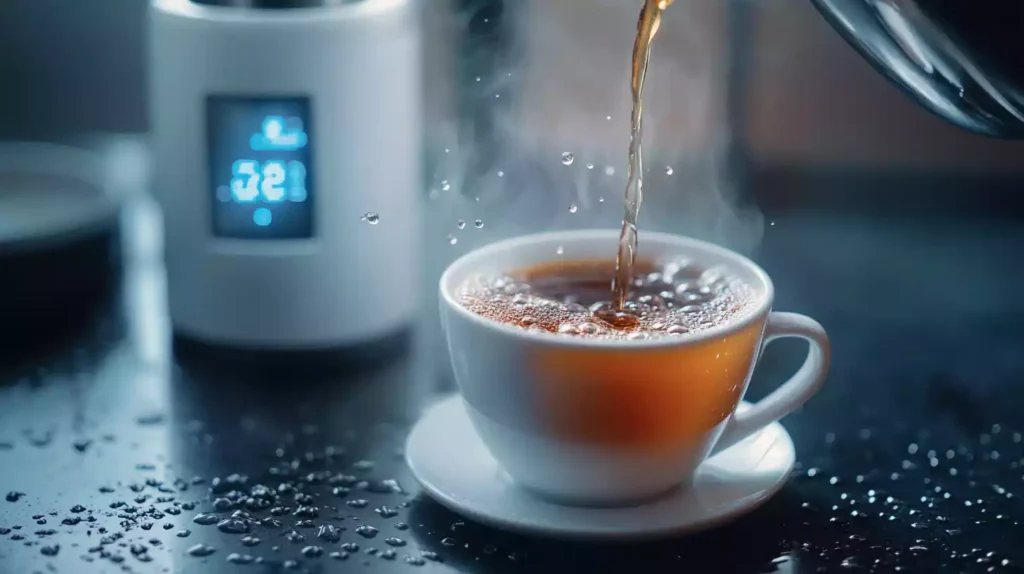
(448, 458)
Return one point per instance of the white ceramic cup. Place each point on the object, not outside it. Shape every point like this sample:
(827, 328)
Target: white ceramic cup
(604, 422)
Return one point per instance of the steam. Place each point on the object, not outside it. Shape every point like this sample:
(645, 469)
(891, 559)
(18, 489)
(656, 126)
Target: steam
(550, 74)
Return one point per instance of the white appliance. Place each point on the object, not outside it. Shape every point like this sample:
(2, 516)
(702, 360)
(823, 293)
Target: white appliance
(287, 162)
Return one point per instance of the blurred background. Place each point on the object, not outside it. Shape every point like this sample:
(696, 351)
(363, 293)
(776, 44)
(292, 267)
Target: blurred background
(78, 67)
(754, 109)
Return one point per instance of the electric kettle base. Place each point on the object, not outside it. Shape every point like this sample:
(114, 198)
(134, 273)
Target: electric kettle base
(252, 362)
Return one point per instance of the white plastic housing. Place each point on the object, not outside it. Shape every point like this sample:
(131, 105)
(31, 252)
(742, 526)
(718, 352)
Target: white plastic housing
(360, 66)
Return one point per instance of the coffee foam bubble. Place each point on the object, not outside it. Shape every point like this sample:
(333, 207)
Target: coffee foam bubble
(669, 300)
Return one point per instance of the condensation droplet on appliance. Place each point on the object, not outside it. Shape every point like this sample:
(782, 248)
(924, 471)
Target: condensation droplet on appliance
(445, 186)
(669, 170)
(573, 208)
(461, 224)
(452, 240)
(371, 218)
(567, 158)
(479, 223)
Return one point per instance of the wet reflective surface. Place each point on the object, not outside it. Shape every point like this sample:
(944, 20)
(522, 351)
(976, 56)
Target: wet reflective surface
(117, 455)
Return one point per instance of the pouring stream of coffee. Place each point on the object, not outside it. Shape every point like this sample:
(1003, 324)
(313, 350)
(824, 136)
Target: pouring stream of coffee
(646, 28)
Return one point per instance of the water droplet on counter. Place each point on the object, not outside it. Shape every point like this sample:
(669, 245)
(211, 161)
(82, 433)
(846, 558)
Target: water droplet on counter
(388, 554)
(312, 552)
(479, 223)
(150, 419)
(394, 541)
(234, 526)
(14, 496)
(183, 533)
(357, 502)
(50, 550)
(371, 218)
(236, 558)
(367, 531)
(386, 512)
(294, 536)
(609, 170)
(81, 444)
(206, 518)
(567, 158)
(329, 533)
(201, 550)
(415, 561)
(339, 555)
(350, 547)
(448, 541)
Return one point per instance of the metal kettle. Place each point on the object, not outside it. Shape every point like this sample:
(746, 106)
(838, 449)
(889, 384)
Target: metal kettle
(959, 59)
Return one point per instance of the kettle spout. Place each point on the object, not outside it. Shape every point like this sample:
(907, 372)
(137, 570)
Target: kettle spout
(957, 59)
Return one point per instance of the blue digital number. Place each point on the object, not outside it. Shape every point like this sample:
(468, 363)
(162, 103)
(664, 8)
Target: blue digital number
(271, 182)
(296, 181)
(245, 181)
(274, 175)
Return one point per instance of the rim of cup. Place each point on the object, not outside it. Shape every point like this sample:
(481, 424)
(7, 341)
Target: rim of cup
(457, 270)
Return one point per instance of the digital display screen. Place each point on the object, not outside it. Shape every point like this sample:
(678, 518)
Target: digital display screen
(260, 154)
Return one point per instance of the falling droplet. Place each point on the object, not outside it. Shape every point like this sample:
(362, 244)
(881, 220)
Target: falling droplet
(452, 240)
(201, 550)
(501, 173)
(367, 531)
(669, 170)
(609, 118)
(371, 218)
(461, 224)
(573, 208)
(567, 158)
(479, 223)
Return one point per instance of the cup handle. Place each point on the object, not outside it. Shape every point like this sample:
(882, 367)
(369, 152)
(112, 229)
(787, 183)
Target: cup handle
(800, 387)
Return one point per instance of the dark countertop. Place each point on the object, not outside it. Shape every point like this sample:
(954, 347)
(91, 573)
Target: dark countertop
(909, 460)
